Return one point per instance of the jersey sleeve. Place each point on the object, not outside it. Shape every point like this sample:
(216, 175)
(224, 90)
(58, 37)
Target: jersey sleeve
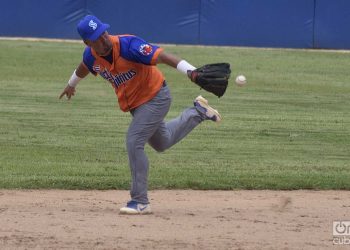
(138, 50)
(89, 60)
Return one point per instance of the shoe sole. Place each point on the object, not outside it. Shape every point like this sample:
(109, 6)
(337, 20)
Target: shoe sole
(204, 103)
(133, 211)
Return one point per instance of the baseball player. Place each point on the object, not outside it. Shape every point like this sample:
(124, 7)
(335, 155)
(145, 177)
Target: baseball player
(129, 64)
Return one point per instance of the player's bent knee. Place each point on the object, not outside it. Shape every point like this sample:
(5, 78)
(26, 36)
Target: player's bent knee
(159, 147)
(160, 150)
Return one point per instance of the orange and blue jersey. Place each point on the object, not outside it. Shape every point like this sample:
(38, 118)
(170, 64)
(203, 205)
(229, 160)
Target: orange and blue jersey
(130, 69)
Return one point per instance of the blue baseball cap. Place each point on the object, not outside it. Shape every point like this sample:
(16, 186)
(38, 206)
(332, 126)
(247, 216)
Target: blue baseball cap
(91, 28)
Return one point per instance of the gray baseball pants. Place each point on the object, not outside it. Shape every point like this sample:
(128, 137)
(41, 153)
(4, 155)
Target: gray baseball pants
(148, 125)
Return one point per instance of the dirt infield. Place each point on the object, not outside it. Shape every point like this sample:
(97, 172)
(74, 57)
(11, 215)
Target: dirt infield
(182, 219)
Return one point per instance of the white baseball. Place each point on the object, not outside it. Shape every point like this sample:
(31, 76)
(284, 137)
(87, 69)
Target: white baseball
(241, 80)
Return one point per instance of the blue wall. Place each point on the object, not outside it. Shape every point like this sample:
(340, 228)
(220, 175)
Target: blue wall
(260, 23)
(268, 23)
(332, 24)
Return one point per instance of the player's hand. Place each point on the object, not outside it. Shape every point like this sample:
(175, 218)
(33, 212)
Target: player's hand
(68, 91)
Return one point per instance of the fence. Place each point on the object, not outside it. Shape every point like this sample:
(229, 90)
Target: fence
(259, 23)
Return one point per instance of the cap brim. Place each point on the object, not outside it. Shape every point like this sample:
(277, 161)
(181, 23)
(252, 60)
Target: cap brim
(99, 32)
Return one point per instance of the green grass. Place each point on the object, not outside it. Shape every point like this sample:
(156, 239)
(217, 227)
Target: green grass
(289, 128)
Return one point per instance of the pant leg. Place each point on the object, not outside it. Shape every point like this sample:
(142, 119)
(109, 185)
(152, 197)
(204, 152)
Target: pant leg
(171, 132)
(146, 120)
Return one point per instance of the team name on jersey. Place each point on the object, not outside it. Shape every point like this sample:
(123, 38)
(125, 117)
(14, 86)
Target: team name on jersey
(118, 79)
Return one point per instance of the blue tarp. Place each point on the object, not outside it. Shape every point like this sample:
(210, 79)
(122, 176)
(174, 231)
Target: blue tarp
(268, 23)
(332, 24)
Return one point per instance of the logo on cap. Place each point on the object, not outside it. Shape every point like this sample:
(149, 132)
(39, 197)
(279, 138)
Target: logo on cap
(92, 24)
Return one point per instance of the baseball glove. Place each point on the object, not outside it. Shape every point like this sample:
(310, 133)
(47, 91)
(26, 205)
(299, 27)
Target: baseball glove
(212, 77)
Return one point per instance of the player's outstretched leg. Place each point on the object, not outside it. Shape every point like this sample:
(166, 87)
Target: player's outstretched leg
(169, 133)
(202, 106)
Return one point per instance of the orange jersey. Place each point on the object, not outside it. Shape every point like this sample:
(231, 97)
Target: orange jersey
(130, 68)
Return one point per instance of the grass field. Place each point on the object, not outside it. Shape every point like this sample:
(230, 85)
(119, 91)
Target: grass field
(289, 128)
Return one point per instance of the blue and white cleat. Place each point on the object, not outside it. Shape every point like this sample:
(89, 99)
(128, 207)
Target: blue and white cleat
(202, 106)
(133, 207)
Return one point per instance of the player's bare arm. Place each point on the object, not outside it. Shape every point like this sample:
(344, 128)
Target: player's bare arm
(77, 75)
(203, 76)
(175, 62)
(169, 59)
